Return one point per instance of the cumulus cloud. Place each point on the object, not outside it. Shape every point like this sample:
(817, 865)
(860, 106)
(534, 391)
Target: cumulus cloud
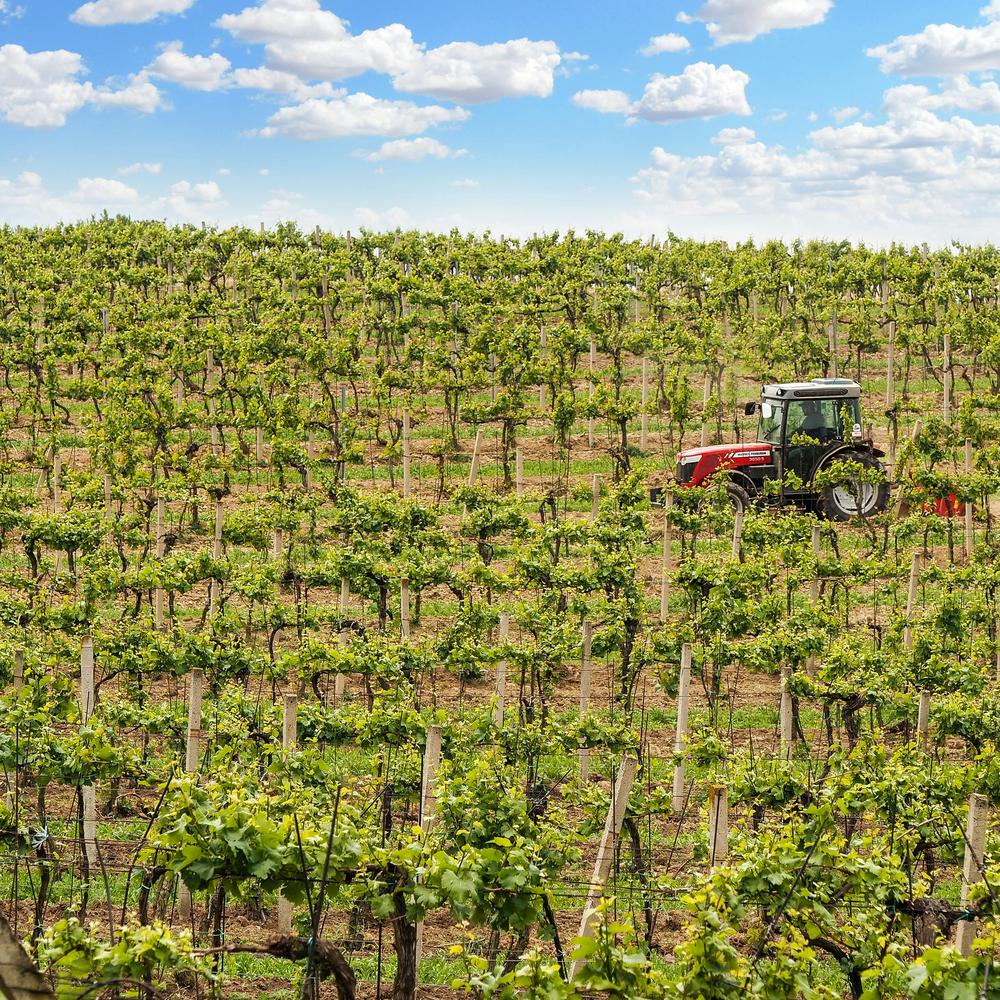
(412, 149)
(189, 201)
(195, 72)
(465, 182)
(914, 176)
(390, 218)
(303, 38)
(943, 49)
(958, 92)
(702, 90)
(140, 168)
(615, 102)
(99, 13)
(670, 42)
(357, 114)
(841, 115)
(743, 20)
(40, 89)
(103, 192)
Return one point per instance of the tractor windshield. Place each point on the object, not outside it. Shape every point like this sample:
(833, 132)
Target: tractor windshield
(770, 421)
(823, 420)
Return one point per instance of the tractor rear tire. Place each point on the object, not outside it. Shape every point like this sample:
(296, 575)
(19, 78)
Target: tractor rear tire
(840, 503)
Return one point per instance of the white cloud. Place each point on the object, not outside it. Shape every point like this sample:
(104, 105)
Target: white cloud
(357, 114)
(140, 168)
(413, 149)
(391, 218)
(302, 38)
(8, 13)
(605, 101)
(276, 81)
(40, 89)
(957, 92)
(733, 136)
(743, 20)
(102, 192)
(991, 11)
(465, 71)
(465, 182)
(103, 12)
(670, 42)
(700, 91)
(264, 171)
(942, 50)
(912, 177)
(841, 115)
(188, 201)
(194, 72)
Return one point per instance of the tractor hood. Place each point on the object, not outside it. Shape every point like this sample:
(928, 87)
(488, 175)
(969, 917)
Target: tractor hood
(696, 464)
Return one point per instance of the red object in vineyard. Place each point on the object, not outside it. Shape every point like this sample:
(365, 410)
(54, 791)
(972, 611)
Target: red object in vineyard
(804, 428)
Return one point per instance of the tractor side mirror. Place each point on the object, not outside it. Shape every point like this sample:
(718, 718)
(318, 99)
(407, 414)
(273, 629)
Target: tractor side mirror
(750, 409)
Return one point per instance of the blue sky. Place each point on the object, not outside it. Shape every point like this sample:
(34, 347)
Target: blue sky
(714, 118)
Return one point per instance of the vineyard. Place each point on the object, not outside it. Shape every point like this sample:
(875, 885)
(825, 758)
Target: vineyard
(344, 652)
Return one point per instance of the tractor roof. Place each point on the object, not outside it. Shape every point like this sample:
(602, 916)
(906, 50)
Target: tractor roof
(817, 388)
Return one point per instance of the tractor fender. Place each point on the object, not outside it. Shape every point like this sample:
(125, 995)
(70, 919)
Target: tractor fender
(739, 479)
(844, 449)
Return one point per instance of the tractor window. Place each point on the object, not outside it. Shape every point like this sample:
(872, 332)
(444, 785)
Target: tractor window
(824, 420)
(770, 422)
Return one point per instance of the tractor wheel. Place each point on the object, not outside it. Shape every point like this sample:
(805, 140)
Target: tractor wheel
(841, 503)
(738, 497)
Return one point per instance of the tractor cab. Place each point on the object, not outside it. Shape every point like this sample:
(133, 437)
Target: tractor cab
(803, 427)
(806, 420)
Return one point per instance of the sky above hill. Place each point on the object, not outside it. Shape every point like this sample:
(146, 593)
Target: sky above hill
(875, 121)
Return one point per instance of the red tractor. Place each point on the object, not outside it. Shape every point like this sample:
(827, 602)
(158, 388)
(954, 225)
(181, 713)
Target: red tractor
(804, 427)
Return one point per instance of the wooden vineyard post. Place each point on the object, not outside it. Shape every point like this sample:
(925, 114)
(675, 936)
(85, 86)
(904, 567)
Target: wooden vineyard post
(289, 727)
(665, 563)
(591, 439)
(406, 453)
(277, 544)
(518, 471)
(643, 415)
(404, 608)
(970, 537)
(923, 717)
(19, 978)
(57, 499)
(606, 852)
(259, 445)
(946, 379)
(972, 870)
(737, 536)
(340, 681)
(501, 679)
(88, 793)
(911, 600)
(595, 496)
(18, 669)
(785, 714)
(890, 371)
(683, 701)
(428, 807)
(543, 342)
(834, 345)
(585, 675)
(214, 584)
(192, 758)
(705, 400)
(158, 594)
(718, 824)
(209, 391)
(476, 449)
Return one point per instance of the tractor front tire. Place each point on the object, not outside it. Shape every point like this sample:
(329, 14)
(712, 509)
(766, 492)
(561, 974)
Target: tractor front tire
(842, 503)
(738, 497)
